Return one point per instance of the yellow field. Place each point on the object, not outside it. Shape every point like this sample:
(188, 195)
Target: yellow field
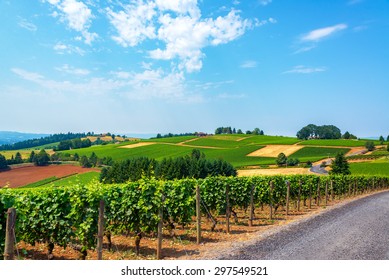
(273, 171)
(275, 150)
(137, 145)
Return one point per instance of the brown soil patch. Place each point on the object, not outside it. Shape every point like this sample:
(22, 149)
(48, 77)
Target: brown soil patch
(273, 171)
(29, 174)
(275, 150)
(137, 145)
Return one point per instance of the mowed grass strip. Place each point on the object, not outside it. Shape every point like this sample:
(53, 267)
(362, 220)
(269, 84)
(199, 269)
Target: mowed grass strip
(172, 140)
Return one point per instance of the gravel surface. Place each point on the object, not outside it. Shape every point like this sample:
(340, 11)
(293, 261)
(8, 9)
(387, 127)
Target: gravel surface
(358, 230)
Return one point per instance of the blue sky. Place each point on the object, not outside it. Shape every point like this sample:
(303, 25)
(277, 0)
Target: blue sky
(186, 65)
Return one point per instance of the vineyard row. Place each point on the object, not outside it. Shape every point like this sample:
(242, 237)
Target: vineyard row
(68, 216)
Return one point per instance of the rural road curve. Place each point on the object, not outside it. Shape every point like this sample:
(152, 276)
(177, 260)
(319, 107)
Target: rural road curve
(358, 230)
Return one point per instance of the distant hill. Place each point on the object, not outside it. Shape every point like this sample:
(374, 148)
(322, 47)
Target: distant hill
(11, 137)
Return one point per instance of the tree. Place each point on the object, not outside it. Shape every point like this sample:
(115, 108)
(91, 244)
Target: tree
(387, 139)
(382, 140)
(3, 162)
(256, 131)
(281, 159)
(84, 162)
(241, 132)
(321, 132)
(93, 159)
(248, 132)
(370, 146)
(387, 147)
(346, 135)
(76, 157)
(42, 158)
(18, 158)
(31, 157)
(340, 165)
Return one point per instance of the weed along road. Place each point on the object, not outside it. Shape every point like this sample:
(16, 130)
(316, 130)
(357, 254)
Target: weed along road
(358, 230)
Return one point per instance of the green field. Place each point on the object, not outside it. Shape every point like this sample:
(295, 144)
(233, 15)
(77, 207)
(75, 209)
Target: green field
(317, 153)
(173, 140)
(336, 142)
(69, 180)
(379, 167)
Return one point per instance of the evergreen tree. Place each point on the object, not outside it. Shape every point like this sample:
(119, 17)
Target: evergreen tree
(84, 162)
(382, 140)
(31, 158)
(18, 158)
(340, 165)
(3, 162)
(370, 146)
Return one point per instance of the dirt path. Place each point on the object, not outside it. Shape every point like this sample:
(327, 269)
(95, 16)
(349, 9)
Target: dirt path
(354, 231)
(137, 145)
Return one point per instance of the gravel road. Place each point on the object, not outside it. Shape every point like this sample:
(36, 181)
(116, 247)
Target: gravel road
(358, 230)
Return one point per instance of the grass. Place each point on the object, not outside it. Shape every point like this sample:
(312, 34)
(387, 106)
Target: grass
(84, 178)
(216, 142)
(379, 167)
(317, 153)
(335, 142)
(269, 140)
(173, 140)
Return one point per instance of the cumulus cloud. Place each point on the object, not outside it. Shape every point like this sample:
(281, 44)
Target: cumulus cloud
(77, 15)
(265, 2)
(301, 69)
(179, 26)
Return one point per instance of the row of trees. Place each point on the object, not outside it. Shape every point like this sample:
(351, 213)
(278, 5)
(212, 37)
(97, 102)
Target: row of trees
(282, 160)
(190, 166)
(229, 130)
(73, 144)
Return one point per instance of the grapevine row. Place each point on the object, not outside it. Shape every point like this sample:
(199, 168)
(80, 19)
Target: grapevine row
(66, 216)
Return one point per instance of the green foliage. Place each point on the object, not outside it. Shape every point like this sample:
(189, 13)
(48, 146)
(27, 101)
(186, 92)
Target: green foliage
(65, 215)
(194, 166)
(41, 159)
(340, 165)
(281, 159)
(3, 162)
(321, 132)
(370, 146)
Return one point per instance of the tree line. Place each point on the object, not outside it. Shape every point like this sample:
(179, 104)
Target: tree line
(43, 141)
(190, 166)
(229, 130)
(76, 143)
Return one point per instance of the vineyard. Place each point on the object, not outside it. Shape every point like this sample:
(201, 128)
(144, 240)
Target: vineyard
(69, 216)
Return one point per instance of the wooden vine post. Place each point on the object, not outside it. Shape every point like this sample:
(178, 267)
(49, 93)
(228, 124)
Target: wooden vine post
(318, 194)
(287, 197)
(332, 191)
(227, 211)
(198, 214)
(326, 201)
(160, 225)
(10, 234)
(251, 218)
(271, 199)
(100, 231)
(310, 196)
(299, 197)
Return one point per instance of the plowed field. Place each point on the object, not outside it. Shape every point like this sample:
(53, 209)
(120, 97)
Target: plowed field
(25, 175)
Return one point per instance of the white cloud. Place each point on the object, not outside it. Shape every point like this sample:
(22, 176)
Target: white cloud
(249, 64)
(71, 70)
(134, 24)
(265, 2)
(77, 15)
(301, 69)
(27, 25)
(179, 26)
(61, 48)
(185, 37)
(137, 86)
(321, 33)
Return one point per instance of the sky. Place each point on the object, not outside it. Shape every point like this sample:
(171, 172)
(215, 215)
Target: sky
(159, 66)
